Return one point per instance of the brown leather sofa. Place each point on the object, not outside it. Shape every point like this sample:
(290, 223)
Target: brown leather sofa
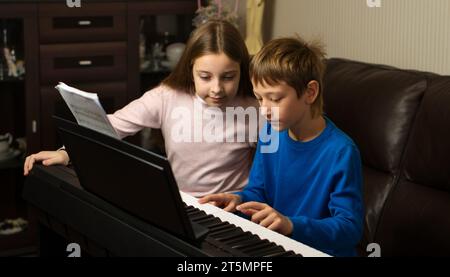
(400, 120)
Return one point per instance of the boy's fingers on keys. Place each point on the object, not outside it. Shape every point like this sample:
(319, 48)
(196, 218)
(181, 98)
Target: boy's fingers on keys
(231, 207)
(210, 198)
(252, 205)
(248, 212)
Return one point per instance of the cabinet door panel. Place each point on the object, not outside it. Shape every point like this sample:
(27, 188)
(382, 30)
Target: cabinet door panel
(93, 22)
(83, 62)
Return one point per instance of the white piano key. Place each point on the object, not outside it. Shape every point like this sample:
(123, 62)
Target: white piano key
(247, 225)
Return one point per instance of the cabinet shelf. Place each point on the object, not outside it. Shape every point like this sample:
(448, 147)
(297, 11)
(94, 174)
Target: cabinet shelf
(12, 80)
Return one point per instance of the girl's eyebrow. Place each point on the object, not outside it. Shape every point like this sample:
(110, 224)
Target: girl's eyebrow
(226, 72)
(231, 71)
(203, 71)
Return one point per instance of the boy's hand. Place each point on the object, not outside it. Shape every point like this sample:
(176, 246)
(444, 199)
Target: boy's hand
(267, 216)
(47, 158)
(227, 201)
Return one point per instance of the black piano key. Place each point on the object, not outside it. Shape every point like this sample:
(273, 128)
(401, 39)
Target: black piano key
(196, 217)
(289, 253)
(208, 221)
(235, 241)
(244, 247)
(223, 247)
(217, 225)
(295, 255)
(271, 251)
(275, 254)
(230, 228)
(230, 237)
(190, 209)
(233, 233)
(220, 226)
(252, 240)
(256, 249)
(247, 236)
(202, 219)
(196, 214)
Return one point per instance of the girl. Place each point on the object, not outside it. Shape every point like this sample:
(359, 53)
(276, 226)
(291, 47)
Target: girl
(210, 78)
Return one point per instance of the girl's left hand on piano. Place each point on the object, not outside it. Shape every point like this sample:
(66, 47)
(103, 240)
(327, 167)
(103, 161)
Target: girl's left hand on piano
(267, 216)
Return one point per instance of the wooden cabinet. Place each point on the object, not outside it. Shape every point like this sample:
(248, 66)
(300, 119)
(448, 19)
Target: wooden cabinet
(94, 48)
(86, 48)
(19, 106)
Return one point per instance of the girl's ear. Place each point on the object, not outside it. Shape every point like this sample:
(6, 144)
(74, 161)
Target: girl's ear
(312, 91)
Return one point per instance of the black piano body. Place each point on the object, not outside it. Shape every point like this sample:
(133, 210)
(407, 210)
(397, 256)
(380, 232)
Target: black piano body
(68, 214)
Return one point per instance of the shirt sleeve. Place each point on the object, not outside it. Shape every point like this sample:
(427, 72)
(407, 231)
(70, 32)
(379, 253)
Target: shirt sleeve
(146, 111)
(343, 229)
(255, 190)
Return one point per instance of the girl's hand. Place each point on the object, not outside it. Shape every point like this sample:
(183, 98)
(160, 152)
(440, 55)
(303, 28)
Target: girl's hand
(47, 158)
(227, 201)
(267, 216)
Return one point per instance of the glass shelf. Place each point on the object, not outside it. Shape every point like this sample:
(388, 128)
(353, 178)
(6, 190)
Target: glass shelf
(11, 49)
(13, 79)
(160, 70)
(157, 32)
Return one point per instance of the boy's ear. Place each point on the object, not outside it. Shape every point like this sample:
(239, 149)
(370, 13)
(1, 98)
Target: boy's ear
(312, 91)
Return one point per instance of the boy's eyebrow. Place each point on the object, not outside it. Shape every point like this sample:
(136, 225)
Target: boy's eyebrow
(270, 93)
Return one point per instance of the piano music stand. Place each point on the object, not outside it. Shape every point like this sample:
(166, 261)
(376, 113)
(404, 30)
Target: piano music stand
(129, 177)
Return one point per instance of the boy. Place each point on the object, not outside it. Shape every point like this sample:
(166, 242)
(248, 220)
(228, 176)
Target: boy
(310, 188)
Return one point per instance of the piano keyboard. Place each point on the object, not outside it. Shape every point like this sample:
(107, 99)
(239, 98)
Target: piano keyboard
(243, 237)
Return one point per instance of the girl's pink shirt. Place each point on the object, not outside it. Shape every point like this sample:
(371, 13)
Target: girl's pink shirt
(201, 166)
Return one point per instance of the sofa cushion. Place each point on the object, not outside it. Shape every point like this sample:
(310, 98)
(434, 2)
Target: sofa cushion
(375, 105)
(377, 186)
(358, 95)
(415, 220)
(427, 159)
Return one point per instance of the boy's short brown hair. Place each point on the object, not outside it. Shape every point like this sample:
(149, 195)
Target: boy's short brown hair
(293, 61)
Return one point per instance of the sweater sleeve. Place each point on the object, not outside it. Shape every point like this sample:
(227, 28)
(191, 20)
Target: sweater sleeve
(146, 111)
(255, 190)
(343, 229)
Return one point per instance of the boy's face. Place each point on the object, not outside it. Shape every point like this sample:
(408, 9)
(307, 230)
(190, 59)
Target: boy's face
(282, 99)
(216, 79)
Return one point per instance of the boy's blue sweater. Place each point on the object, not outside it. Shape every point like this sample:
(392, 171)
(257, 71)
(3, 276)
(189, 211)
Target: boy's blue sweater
(317, 184)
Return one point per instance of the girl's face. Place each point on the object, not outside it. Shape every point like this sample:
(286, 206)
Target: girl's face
(216, 79)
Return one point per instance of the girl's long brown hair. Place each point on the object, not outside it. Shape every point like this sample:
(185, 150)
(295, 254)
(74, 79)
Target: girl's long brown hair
(213, 37)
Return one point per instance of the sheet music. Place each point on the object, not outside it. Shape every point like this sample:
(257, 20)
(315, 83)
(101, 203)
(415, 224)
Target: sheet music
(86, 108)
